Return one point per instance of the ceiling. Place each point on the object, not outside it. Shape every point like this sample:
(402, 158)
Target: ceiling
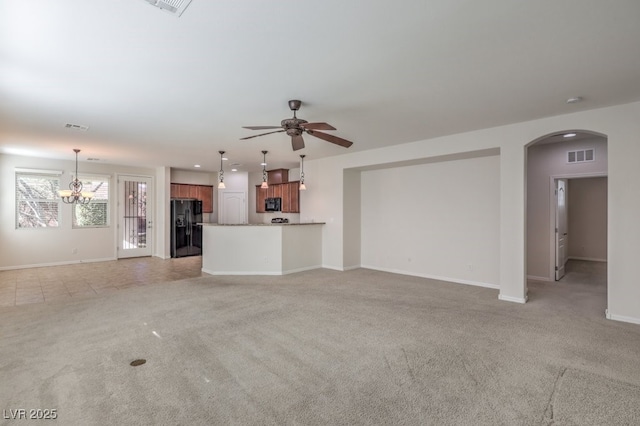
(155, 89)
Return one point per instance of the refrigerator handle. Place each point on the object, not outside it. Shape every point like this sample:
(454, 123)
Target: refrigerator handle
(187, 215)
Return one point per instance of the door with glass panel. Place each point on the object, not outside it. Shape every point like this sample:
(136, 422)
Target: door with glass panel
(135, 207)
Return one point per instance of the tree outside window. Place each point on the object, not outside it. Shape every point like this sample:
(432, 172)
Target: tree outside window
(94, 214)
(37, 200)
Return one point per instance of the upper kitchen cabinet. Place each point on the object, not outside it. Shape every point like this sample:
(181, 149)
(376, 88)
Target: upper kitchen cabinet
(277, 176)
(203, 193)
(291, 197)
(261, 196)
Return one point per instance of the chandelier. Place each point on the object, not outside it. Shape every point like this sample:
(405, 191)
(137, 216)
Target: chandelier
(75, 194)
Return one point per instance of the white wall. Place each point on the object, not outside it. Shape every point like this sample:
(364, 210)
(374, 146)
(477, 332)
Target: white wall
(544, 161)
(438, 220)
(587, 206)
(21, 248)
(619, 123)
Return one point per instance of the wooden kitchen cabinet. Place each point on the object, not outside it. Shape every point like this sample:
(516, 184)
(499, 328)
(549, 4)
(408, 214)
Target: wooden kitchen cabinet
(261, 195)
(294, 197)
(203, 193)
(174, 190)
(277, 176)
(184, 191)
(289, 193)
(275, 191)
(193, 192)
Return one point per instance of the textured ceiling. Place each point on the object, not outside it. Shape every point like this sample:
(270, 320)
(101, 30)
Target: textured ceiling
(160, 90)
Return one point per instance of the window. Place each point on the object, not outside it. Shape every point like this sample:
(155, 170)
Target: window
(95, 214)
(37, 200)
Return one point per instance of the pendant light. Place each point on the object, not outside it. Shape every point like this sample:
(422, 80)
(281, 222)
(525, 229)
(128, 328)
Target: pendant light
(264, 170)
(75, 194)
(221, 174)
(302, 185)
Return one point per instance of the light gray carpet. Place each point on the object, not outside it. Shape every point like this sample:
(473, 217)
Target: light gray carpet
(323, 347)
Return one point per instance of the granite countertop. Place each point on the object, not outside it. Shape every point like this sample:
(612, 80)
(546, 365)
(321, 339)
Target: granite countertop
(261, 224)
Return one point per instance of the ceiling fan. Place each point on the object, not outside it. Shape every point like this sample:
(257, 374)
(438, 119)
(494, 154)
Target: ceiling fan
(295, 127)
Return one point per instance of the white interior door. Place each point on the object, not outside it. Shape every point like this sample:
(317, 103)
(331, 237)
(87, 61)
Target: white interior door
(233, 208)
(135, 207)
(561, 227)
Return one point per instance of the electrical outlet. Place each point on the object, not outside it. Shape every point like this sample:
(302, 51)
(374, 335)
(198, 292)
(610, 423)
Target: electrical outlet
(74, 251)
(469, 267)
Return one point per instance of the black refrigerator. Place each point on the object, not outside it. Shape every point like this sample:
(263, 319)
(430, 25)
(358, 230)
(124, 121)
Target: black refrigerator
(186, 234)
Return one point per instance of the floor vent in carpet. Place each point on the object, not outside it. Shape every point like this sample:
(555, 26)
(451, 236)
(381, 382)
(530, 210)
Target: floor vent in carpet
(137, 362)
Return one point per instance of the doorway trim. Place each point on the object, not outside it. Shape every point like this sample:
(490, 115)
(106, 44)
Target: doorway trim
(552, 214)
(151, 210)
(222, 219)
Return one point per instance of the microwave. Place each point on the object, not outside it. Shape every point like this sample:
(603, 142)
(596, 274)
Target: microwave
(273, 204)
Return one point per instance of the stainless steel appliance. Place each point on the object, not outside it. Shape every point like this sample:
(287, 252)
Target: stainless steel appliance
(273, 204)
(186, 234)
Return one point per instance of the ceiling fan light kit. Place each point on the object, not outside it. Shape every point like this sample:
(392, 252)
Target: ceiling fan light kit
(295, 127)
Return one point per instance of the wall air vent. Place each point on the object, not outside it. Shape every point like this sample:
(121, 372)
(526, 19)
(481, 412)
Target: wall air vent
(174, 7)
(581, 156)
(76, 127)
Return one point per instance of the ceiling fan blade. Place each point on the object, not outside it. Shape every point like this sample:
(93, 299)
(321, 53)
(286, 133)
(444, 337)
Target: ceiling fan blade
(262, 134)
(261, 127)
(297, 142)
(318, 126)
(330, 138)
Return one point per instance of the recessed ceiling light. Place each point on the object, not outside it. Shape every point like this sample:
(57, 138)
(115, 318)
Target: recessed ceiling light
(568, 135)
(263, 164)
(234, 170)
(224, 158)
(574, 100)
(197, 166)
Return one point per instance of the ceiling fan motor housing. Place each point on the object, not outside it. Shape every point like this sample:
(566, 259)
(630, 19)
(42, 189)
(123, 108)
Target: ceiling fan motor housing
(292, 126)
(294, 104)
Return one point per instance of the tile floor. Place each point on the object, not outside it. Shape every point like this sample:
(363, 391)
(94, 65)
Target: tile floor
(54, 283)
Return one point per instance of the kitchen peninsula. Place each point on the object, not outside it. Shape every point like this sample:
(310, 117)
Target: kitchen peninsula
(261, 249)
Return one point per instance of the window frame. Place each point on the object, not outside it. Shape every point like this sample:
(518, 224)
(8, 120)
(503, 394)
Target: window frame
(93, 177)
(36, 173)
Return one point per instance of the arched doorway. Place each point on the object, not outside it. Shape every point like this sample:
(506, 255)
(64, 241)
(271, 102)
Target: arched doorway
(566, 237)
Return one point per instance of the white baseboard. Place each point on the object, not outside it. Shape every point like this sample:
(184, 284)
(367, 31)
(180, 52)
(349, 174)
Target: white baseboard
(351, 268)
(621, 318)
(287, 272)
(206, 271)
(333, 268)
(42, 265)
(513, 299)
(534, 278)
(589, 259)
(434, 277)
(306, 268)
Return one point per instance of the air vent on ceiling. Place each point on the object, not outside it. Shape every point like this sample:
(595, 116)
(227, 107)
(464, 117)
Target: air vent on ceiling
(76, 127)
(581, 156)
(175, 7)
